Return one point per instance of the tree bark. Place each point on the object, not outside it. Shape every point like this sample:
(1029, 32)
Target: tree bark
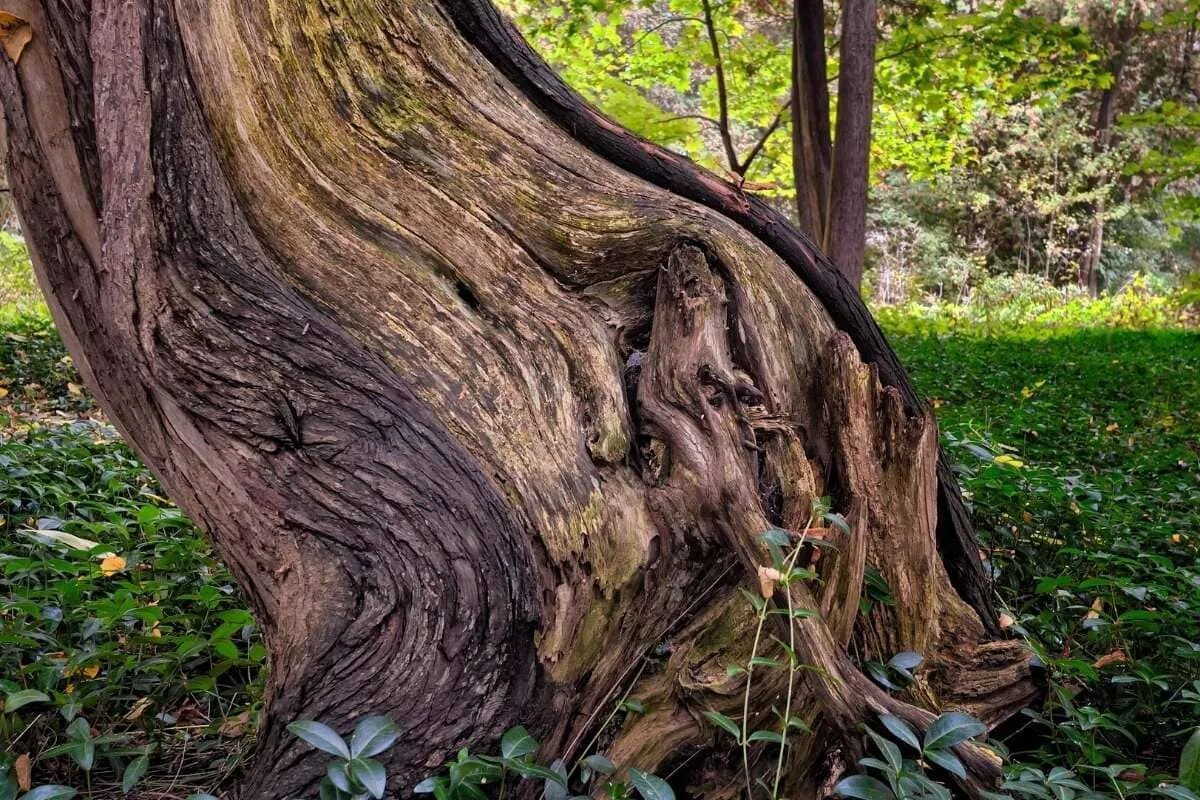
(832, 175)
(851, 173)
(812, 143)
(482, 399)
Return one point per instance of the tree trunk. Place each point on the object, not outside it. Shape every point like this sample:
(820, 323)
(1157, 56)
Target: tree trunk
(851, 174)
(832, 175)
(812, 143)
(482, 399)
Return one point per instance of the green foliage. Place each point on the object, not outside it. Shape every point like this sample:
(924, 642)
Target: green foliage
(472, 777)
(19, 292)
(1076, 450)
(354, 774)
(111, 604)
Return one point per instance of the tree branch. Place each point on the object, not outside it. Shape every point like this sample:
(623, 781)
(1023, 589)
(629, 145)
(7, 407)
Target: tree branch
(722, 89)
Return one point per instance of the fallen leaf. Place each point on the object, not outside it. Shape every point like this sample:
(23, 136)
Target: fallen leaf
(15, 33)
(75, 389)
(1097, 607)
(767, 578)
(1112, 427)
(111, 565)
(3, 392)
(138, 708)
(234, 727)
(1115, 657)
(24, 770)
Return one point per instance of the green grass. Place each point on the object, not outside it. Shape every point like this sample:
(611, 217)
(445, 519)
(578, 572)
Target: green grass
(1079, 452)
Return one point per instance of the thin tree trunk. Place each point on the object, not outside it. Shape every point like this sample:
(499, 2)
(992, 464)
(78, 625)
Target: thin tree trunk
(812, 146)
(832, 175)
(1106, 115)
(846, 237)
(481, 398)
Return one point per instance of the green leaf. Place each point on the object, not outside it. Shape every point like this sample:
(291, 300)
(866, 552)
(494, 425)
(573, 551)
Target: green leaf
(725, 723)
(370, 774)
(373, 735)
(527, 769)
(950, 729)
(863, 787)
(907, 660)
(901, 730)
(320, 736)
(651, 787)
(838, 521)
(50, 792)
(777, 536)
(1176, 792)
(426, 786)
(766, 736)
(134, 772)
(947, 761)
(1189, 762)
(517, 742)
(888, 750)
(338, 776)
(600, 764)
(23, 698)
(84, 754)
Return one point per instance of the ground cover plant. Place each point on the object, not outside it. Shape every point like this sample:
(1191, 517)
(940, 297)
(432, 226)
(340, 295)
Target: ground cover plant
(125, 649)
(127, 658)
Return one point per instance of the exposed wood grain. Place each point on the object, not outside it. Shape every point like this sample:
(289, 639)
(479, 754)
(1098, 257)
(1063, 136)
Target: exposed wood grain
(483, 400)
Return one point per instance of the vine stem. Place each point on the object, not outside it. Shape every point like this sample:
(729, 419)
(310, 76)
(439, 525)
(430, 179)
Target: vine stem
(762, 617)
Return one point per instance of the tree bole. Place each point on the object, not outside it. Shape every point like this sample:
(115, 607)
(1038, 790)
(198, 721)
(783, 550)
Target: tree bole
(483, 400)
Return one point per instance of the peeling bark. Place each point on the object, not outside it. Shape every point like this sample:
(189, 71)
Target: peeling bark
(481, 398)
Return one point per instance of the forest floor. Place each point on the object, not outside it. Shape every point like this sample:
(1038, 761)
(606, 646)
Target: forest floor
(1079, 451)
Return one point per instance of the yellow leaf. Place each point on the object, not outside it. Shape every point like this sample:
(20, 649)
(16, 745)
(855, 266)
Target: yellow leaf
(1112, 427)
(75, 389)
(111, 565)
(3, 392)
(91, 671)
(70, 689)
(1026, 392)
(1176, 538)
(1009, 461)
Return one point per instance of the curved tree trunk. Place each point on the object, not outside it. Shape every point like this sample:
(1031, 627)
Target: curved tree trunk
(481, 398)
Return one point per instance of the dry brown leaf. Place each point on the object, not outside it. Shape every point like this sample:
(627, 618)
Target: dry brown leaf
(139, 708)
(1097, 607)
(24, 771)
(15, 33)
(1115, 657)
(767, 578)
(235, 727)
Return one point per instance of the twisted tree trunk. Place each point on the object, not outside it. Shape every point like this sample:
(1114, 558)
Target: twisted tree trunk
(481, 398)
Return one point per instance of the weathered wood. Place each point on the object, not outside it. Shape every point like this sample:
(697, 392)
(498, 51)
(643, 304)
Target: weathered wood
(481, 398)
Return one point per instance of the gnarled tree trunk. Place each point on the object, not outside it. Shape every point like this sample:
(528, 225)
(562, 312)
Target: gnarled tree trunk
(481, 398)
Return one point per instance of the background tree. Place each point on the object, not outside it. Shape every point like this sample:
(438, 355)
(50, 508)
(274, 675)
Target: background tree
(984, 163)
(482, 398)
